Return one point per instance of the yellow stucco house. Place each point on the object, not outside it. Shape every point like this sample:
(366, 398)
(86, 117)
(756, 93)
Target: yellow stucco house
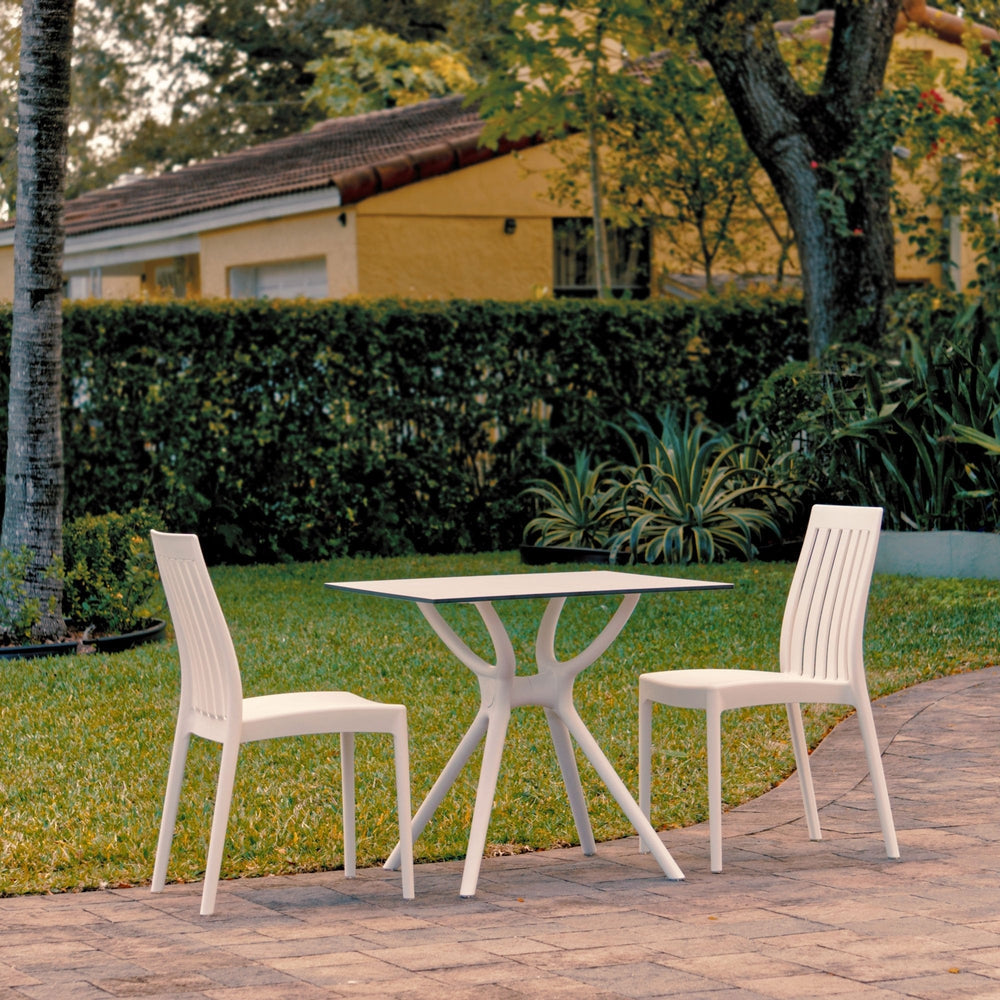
(402, 202)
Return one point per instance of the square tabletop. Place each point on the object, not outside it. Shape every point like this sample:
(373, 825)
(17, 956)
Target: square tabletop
(511, 586)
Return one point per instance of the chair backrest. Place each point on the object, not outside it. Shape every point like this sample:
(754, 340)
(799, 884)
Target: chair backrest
(823, 626)
(210, 673)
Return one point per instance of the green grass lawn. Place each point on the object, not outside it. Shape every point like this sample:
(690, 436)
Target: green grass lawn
(86, 739)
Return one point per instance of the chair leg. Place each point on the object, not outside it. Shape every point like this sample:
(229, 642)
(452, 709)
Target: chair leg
(713, 744)
(220, 821)
(401, 753)
(801, 749)
(645, 762)
(874, 755)
(171, 799)
(348, 804)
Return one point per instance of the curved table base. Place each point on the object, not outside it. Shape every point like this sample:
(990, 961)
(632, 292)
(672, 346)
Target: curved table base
(551, 688)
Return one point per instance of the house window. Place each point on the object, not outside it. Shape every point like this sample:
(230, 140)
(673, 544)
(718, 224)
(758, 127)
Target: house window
(574, 274)
(83, 285)
(170, 279)
(294, 279)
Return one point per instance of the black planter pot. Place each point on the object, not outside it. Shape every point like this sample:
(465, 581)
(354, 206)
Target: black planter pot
(779, 551)
(103, 644)
(42, 649)
(543, 555)
(116, 643)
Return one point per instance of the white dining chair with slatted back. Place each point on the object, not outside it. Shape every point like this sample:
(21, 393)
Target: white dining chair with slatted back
(212, 706)
(820, 661)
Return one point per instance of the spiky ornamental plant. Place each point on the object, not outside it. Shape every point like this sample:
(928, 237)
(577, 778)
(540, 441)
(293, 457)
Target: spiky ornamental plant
(579, 509)
(695, 494)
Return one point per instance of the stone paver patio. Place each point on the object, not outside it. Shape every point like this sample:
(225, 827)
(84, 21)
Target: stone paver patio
(788, 919)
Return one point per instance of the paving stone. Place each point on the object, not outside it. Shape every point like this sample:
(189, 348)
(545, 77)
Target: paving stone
(786, 920)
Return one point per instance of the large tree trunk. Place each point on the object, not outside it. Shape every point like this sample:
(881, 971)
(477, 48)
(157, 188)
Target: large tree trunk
(848, 264)
(34, 489)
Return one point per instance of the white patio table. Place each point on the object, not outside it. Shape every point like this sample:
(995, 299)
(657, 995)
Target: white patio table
(551, 688)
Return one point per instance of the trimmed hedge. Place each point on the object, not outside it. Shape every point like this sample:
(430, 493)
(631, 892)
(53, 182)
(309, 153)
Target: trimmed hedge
(313, 429)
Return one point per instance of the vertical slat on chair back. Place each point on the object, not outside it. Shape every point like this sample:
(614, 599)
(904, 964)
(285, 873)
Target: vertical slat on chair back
(210, 675)
(821, 634)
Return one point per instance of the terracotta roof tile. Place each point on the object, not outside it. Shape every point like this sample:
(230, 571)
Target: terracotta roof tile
(360, 156)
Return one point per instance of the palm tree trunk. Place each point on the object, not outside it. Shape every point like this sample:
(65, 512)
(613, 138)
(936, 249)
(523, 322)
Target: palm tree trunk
(34, 487)
(602, 266)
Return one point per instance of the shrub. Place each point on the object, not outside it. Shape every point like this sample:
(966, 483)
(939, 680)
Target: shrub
(895, 424)
(907, 428)
(110, 574)
(308, 430)
(694, 494)
(17, 615)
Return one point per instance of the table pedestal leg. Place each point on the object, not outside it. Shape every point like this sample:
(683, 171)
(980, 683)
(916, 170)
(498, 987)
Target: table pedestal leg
(623, 797)
(489, 772)
(571, 779)
(465, 749)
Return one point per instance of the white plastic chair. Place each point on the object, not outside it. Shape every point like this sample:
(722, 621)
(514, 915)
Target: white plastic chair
(212, 706)
(820, 660)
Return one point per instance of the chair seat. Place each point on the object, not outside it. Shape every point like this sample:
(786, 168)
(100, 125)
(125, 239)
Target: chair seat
(740, 688)
(303, 713)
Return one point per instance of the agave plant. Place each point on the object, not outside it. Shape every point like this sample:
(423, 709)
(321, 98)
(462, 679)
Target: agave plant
(578, 510)
(695, 494)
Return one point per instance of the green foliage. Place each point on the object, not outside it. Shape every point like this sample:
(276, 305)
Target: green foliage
(87, 739)
(110, 577)
(557, 70)
(18, 612)
(676, 153)
(558, 73)
(784, 411)
(157, 83)
(957, 135)
(796, 130)
(688, 493)
(695, 494)
(579, 509)
(655, 137)
(309, 429)
(911, 428)
(372, 69)
(861, 169)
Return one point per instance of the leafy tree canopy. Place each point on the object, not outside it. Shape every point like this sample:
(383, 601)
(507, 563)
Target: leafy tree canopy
(372, 69)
